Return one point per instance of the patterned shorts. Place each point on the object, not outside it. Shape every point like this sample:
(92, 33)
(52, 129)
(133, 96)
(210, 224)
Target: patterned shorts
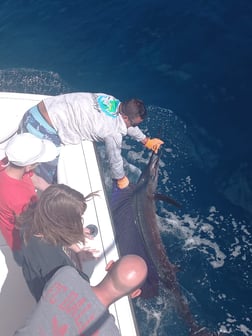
(34, 123)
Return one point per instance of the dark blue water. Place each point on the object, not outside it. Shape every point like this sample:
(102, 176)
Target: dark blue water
(191, 63)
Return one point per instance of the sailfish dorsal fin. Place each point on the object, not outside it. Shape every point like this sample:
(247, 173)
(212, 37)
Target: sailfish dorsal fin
(167, 199)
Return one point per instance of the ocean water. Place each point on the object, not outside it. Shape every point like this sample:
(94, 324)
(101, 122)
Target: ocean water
(190, 61)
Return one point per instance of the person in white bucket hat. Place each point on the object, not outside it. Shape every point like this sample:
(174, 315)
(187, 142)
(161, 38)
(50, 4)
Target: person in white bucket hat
(26, 149)
(18, 182)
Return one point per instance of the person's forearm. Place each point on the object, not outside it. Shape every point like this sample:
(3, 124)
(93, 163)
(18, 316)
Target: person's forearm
(39, 183)
(115, 159)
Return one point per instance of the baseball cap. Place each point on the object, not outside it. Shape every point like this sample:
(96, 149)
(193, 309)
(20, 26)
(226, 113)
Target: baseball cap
(26, 149)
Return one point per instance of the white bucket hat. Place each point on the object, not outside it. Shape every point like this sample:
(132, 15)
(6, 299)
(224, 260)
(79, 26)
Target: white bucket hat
(26, 149)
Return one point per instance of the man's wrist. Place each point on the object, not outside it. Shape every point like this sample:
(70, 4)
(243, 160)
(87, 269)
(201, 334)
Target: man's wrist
(144, 141)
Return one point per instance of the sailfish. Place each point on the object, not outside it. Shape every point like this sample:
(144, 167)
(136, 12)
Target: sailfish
(136, 232)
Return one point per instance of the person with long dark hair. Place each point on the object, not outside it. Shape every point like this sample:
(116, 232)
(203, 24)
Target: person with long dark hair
(48, 226)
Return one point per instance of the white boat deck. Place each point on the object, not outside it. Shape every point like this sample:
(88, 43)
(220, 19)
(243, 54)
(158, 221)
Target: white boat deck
(79, 169)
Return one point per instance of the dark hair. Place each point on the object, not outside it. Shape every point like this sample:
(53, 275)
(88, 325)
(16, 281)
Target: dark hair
(134, 108)
(56, 216)
(5, 163)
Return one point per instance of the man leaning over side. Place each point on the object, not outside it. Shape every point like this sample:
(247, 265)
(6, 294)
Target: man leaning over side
(73, 117)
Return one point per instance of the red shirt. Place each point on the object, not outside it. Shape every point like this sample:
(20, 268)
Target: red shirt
(14, 195)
